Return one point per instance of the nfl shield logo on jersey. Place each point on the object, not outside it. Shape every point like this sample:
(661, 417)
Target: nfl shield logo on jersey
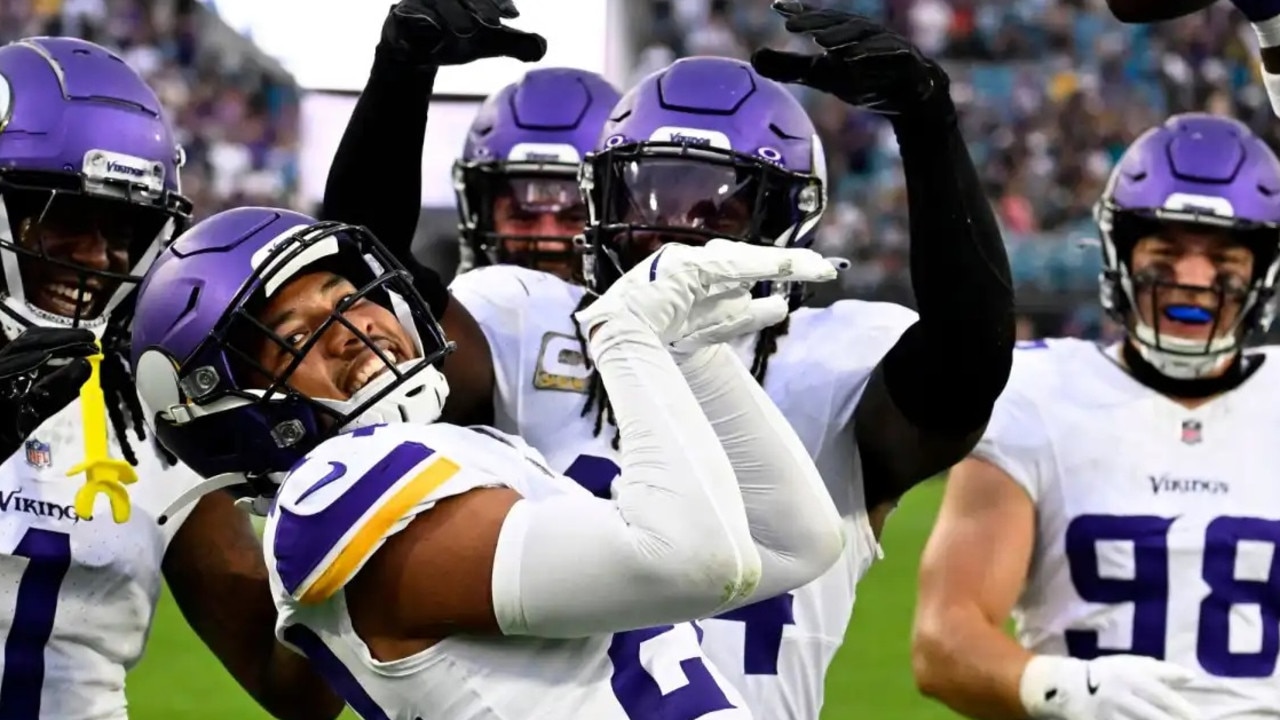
(38, 454)
(1191, 431)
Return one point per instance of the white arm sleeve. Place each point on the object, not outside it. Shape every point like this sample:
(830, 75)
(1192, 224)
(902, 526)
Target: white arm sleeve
(794, 522)
(673, 545)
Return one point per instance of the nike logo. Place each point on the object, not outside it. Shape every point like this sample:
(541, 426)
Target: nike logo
(336, 470)
(1089, 684)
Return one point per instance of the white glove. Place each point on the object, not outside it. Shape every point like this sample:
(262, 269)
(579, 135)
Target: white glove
(692, 296)
(1264, 16)
(1113, 687)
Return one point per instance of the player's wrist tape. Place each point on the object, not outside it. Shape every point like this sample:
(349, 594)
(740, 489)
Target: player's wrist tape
(1044, 682)
(1268, 31)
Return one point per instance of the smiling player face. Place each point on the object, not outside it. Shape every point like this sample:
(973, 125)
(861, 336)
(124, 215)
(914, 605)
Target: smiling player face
(86, 239)
(340, 363)
(1192, 280)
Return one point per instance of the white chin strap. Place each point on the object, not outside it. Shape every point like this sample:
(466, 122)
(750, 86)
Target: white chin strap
(420, 399)
(1181, 358)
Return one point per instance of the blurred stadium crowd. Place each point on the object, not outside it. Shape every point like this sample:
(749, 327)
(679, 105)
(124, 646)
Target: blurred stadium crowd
(238, 124)
(1050, 92)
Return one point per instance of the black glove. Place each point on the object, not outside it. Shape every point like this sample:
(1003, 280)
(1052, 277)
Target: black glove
(40, 374)
(456, 32)
(864, 64)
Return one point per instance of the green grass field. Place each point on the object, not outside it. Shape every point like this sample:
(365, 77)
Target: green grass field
(871, 677)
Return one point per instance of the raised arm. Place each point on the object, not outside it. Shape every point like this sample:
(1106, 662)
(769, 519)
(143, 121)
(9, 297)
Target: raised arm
(927, 401)
(376, 176)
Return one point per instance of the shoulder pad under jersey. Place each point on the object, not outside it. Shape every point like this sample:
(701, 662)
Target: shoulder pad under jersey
(337, 506)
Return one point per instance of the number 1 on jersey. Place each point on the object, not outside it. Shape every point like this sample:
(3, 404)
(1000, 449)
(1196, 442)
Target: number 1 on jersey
(49, 558)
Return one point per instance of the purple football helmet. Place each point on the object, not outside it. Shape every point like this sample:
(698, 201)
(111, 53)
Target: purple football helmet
(704, 148)
(89, 181)
(516, 181)
(197, 341)
(1199, 170)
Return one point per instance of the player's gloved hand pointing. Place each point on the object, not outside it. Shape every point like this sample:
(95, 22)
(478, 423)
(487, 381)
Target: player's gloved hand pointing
(1114, 687)
(862, 63)
(41, 372)
(693, 296)
(456, 32)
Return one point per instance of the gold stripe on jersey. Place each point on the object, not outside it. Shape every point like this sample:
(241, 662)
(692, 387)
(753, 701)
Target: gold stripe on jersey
(365, 539)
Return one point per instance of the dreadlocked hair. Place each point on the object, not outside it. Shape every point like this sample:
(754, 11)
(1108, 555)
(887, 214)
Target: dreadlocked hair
(598, 395)
(597, 398)
(122, 396)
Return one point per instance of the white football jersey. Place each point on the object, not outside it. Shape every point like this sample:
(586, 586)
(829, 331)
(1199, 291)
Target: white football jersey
(76, 595)
(776, 651)
(354, 491)
(1157, 526)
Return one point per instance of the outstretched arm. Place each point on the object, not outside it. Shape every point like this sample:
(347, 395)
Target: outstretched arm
(929, 399)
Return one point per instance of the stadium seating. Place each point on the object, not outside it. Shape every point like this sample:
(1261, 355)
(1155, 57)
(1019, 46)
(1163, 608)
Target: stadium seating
(237, 124)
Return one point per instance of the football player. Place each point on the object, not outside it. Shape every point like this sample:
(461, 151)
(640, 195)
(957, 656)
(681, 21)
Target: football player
(1122, 504)
(435, 570)
(517, 179)
(90, 191)
(710, 148)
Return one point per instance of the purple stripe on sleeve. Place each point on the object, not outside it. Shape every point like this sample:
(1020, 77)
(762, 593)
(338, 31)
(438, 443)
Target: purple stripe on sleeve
(334, 672)
(302, 541)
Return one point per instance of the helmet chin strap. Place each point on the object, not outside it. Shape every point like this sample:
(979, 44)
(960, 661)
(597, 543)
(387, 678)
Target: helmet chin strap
(419, 400)
(1183, 359)
(1148, 366)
